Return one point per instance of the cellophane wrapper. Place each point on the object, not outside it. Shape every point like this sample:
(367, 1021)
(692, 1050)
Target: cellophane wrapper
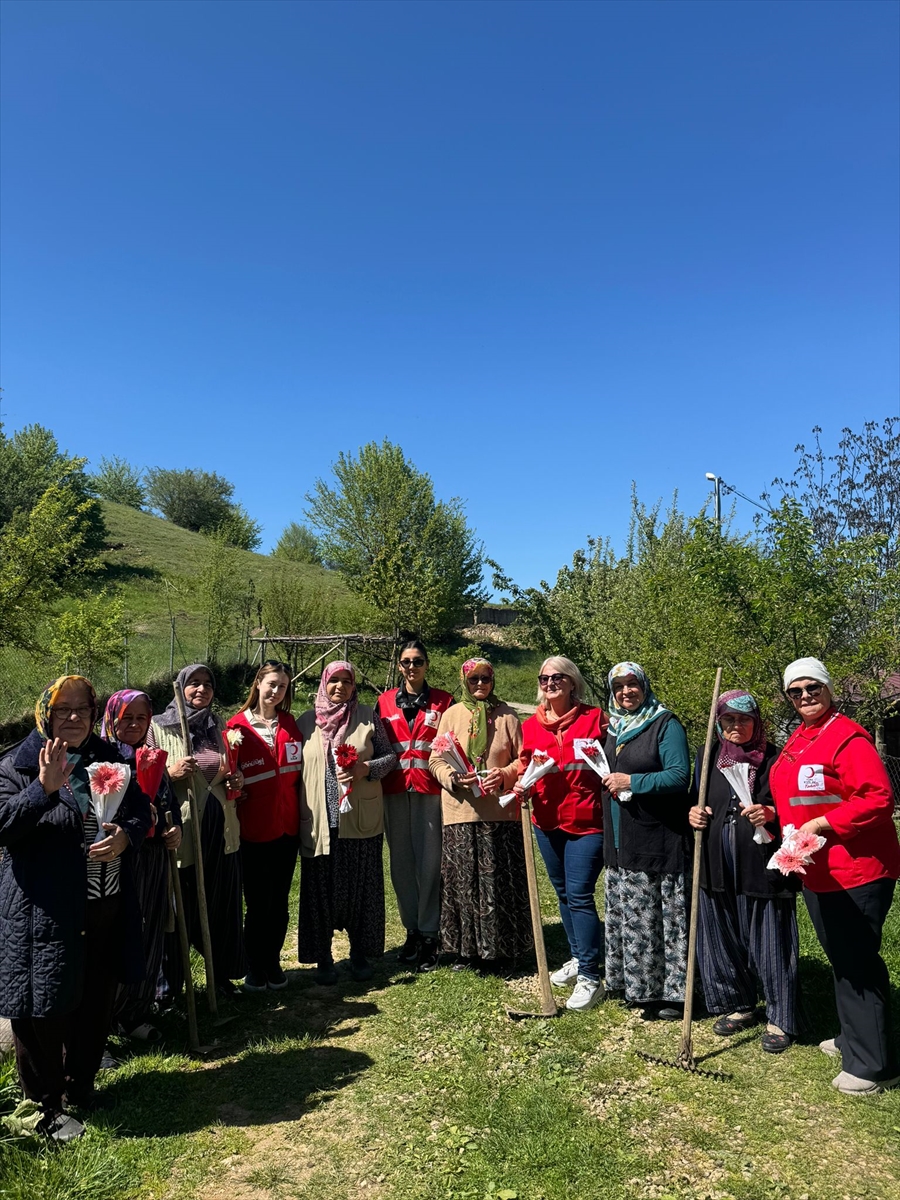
(109, 783)
(541, 764)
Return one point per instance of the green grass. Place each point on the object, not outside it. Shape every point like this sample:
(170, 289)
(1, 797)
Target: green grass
(421, 1088)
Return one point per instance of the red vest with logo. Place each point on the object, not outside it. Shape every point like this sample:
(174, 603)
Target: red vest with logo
(569, 796)
(806, 783)
(412, 746)
(270, 805)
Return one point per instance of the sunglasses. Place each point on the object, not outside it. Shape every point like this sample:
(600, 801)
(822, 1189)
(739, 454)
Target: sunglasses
(275, 664)
(412, 662)
(811, 690)
(479, 679)
(543, 680)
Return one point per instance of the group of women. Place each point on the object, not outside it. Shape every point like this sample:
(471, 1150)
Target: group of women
(86, 919)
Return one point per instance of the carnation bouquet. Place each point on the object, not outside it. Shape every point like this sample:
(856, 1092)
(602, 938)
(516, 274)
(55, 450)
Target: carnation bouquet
(590, 751)
(346, 756)
(447, 745)
(233, 739)
(109, 783)
(151, 765)
(540, 765)
(796, 852)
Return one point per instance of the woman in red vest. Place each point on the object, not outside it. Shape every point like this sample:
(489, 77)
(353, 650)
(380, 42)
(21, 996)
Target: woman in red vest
(829, 780)
(412, 805)
(568, 819)
(270, 757)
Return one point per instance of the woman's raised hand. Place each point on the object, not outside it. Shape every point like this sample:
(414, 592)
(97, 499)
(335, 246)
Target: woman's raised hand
(699, 817)
(55, 767)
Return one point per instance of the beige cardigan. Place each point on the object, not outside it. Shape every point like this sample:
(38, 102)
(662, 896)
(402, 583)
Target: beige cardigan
(504, 740)
(171, 741)
(365, 818)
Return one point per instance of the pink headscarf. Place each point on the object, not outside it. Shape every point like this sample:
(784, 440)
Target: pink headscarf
(332, 718)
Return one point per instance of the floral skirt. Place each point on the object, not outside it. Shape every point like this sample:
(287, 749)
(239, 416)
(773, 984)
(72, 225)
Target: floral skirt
(343, 889)
(484, 891)
(646, 935)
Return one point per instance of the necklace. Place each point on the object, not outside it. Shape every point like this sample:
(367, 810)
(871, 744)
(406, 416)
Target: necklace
(812, 741)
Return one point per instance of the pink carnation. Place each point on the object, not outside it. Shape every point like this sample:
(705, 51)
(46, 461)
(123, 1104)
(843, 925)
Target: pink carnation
(442, 744)
(788, 863)
(107, 779)
(804, 844)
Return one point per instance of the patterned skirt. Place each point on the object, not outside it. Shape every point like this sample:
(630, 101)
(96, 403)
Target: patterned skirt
(343, 889)
(646, 935)
(484, 891)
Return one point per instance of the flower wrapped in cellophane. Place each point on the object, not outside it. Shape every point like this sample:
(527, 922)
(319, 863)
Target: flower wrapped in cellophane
(590, 751)
(150, 765)
(109, 783)
(541, 764)
(233, 739)
(448, 746)
(346, 756)
(796, 851)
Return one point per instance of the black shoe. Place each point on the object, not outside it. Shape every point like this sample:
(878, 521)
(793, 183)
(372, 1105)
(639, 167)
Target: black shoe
(409, 951)
(429, 954)
(726, 1026)
(326, 973)
(254, 982)
(360, 968)
(670, 1011)
(278, 981)
(108, 1062)
(776, 1043)
(466, 964)
(60, 1127)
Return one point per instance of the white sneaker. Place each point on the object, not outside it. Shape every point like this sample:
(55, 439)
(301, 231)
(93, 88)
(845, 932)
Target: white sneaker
(852, 1085)
(585, 994)
(567, 973)
(829, 1046)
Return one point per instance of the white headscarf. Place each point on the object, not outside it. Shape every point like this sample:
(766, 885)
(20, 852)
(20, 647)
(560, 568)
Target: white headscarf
(807, 668)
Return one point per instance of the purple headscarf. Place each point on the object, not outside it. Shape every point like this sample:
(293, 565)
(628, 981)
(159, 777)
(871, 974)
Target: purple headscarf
(752, 751)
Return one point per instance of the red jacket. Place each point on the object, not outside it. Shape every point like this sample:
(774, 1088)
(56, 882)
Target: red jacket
(412, 746)
(833, 770)
(270, 805)
(568, 797)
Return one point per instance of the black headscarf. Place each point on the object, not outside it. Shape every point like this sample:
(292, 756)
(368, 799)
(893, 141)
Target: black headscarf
(201, 722)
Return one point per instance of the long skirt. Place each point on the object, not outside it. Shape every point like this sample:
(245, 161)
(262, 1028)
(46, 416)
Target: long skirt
(646, 935)
(484, 891)
(343, 889)
(222, 875)
(151, 880)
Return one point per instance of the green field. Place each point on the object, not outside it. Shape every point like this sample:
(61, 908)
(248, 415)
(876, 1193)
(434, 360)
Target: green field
(421, 1088)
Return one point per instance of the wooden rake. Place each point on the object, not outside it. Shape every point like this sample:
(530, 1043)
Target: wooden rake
(685, 1060)
(549, 1006)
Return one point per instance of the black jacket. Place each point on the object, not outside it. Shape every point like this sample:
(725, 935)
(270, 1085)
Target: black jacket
(43, 886)
(752, 877)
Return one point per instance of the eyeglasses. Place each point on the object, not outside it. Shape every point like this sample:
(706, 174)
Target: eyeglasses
(543, 680)
(479, 679)
(412, 662)
(65, 713)
(275, 664)
(812, 690)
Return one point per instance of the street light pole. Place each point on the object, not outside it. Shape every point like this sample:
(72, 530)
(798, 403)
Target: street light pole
(718, 482)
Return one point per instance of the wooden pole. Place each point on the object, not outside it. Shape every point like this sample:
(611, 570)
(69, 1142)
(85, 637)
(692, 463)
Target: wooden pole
(193, 1035)
(686, 1054)
(548, 1000)
(211, 998)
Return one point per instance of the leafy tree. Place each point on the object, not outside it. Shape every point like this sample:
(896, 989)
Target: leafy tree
(44, 551)
(202, 501)
(220, 594)
(90, 635)
(411, 556)
(298, 544)
(118, 481)
(288, 608)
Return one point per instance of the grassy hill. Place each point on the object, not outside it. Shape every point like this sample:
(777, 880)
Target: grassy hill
(158, 569)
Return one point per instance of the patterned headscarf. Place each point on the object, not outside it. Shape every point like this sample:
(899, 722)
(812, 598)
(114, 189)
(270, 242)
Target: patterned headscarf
(476, 748)
(115, 706)
(43, 718)
(332, 718)
(627, 725)
(78, 783)
(201, 722)
(752, 751)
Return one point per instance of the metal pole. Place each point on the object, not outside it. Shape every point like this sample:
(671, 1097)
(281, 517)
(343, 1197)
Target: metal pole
(718, 504)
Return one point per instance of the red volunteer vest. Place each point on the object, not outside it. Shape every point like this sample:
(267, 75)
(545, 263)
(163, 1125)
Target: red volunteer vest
(270, 806)
(568, 797)
(806, 784)
(412, 746)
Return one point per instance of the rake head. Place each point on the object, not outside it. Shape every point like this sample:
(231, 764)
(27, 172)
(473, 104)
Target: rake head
(517, 1014)
(686, 1063)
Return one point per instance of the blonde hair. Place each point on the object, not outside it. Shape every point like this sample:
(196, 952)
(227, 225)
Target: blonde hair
(557, 664)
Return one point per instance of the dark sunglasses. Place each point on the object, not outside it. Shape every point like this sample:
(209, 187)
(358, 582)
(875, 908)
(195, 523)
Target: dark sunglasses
(274, 664)
(412, 662)
(479, 679)
(811, 690)
(543, 680)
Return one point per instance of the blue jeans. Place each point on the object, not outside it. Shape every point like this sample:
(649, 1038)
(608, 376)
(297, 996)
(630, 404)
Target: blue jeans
(574, 862)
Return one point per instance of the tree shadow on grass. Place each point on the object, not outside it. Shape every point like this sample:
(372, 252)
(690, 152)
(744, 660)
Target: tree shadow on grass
(283, 1070)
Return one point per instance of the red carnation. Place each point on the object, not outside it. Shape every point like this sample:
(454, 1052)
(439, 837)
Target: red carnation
(345, 755)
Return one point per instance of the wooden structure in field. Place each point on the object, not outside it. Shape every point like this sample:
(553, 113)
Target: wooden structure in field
(304, 654)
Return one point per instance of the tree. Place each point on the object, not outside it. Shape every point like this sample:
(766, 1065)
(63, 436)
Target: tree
(120, 482)
(201, 501)
(239, 529)
(298, 544)
(90, 635)
(411, 556)
(220, 594)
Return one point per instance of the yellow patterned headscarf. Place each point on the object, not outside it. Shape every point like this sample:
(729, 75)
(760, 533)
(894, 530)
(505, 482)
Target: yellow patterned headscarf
(43, 717)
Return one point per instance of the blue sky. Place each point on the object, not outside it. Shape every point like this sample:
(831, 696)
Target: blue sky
(547, 248)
